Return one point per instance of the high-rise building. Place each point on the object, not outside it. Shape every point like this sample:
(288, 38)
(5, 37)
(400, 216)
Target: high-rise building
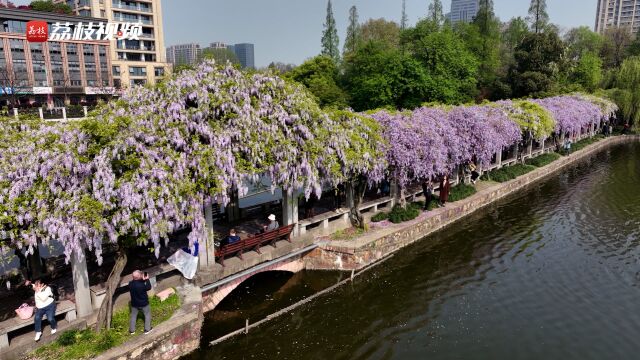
(618, 13)
(463, 10)
(55, 72)
(134, 61)
(245, 54)
(184, 54)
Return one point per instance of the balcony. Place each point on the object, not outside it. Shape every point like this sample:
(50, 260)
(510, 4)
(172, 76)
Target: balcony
(138, 48)
(117, 5)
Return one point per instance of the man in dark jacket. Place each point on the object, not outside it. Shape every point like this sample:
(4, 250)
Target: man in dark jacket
(138, 288)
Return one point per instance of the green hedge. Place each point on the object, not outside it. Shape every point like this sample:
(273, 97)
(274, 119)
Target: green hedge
(381, 216)
(460, 192)
(508, 173)
(543, 160)
(586, 142)
(399, 214)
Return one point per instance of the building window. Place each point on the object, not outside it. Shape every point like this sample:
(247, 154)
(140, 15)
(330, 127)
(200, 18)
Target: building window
(116, 71)
(137, 71)
(159, 71)
(103, 14)
(135, 82)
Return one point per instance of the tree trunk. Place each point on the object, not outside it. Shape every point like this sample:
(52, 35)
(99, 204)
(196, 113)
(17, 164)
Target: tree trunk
(355, 190)
(106, 308)
(35, 263)
(401, 199)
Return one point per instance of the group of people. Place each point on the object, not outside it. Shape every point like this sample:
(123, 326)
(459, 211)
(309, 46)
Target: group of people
(45, 296)
(443, 196)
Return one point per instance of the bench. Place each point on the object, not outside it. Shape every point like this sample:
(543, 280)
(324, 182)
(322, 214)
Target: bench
(99, 291)
(65, 307)
(254, 243)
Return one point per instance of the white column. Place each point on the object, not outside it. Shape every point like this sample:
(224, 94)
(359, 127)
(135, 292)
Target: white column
(81, 284)
(64, 113)
(290, 209)
(499, 158)
(206, 253)
(41, 113)
(15, 113)
(85, 111)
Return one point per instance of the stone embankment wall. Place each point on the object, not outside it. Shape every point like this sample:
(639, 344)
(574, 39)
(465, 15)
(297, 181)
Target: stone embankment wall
(358, 253)
(178, 336)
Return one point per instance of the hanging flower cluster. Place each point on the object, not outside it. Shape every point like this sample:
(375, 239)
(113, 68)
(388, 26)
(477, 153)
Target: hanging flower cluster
(573, 113)
(432, 141)
(145, 164)
(530, 116)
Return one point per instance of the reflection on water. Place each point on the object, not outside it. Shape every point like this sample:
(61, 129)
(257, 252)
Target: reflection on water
(552, 273)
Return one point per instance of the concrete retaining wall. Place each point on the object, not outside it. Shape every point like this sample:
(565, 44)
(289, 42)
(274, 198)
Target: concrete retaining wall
(355, 254)
(172, 339)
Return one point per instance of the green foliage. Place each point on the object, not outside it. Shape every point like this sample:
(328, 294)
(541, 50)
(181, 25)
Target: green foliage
(588, 72)
(614, 49)
(537, 61)
(460, 192)
(399, 214)
(625, 93)
(582, 40)
(543, 160)
(381, 216)
(586, 142)
(380, 31)
(320, 76)
(508, 173)
(330, 40)
(538, 16)
(87, 344)
(353, 32)
(49, 6)
(379, 77)
(436, 12)
(451, 69)
(533, 117)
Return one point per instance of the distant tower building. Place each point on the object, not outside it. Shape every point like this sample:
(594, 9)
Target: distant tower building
(618, 13)
(463, 10)
(245, 54)
(183, 54)
(218, 45)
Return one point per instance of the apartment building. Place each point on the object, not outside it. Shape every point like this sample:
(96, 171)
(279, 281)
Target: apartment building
(184, 54)
(463, 10)
(52, 72)
(618, 13)
(134, 61)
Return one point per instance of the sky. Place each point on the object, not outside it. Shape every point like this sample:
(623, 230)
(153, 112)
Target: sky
(289, 31)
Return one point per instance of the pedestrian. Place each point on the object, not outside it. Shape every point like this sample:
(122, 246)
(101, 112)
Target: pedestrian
(626, 128)
(567, 145)
(605, 129)
(309, 207)
(338, 192)
(273, 224)
(474, 172)
(427, 191)
(45, 305)
(610, 128)
(445, 188)
(138, 288)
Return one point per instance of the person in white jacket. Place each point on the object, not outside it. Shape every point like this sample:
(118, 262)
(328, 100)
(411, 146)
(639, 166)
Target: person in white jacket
(45, 305)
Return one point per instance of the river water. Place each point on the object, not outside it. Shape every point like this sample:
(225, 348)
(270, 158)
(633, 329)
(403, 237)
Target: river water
(550, 273)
